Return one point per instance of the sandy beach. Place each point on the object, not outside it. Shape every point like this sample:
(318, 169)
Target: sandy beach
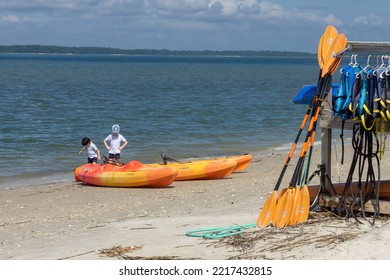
(72, 221)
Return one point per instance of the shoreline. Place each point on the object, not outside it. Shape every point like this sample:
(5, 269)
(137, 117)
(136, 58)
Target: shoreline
(38, 179)
(68, 220)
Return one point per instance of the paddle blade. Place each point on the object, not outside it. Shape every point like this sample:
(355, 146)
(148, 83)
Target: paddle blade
(330, 59)
(282, 192)
(284, 209)
(296, 207)
(319, 53)
(325, 43)
(305, 205)
(267, 213)
(341, 45)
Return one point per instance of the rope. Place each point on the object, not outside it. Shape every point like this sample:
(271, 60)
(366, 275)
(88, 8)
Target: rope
(366, 149)
(337, 160)
(219, 232)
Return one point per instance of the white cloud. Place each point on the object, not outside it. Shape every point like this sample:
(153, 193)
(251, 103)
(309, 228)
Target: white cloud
(10, 18)
(333, 20)
(235, 7)
(166, 10)
(273, 10)
(371, 20)
(40, 4)
(233, 22)
(182, 5)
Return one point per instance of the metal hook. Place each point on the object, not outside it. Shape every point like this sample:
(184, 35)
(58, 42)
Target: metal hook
(368, 60)
(383, 63)
(351, 63)
(356, 63)
(382, 75)
(367, 66)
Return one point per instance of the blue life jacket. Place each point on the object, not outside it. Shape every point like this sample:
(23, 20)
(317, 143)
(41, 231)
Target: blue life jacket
(341, 93)
(349, 85)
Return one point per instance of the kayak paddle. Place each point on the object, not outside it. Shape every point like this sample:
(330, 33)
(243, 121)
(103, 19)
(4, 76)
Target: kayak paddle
(284, 212)
(269, 208)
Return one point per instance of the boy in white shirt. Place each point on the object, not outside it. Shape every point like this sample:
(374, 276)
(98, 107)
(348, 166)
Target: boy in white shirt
(93, 151)
(116, 140)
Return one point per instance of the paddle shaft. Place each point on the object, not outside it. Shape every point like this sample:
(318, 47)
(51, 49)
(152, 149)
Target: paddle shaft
(324, 86)
(311, 131)
(324, 49)
(268, 211)
(303, 124)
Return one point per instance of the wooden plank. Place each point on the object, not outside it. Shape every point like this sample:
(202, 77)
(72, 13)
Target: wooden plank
(365, 47)
(336, 122)
(332, 202)
(369, 47)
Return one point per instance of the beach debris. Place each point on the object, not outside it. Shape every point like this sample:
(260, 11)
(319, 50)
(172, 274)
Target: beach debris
(323, 230)
(119, 251)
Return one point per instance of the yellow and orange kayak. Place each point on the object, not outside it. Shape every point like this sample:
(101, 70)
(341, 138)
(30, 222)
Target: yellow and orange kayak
(201, 169)
(243, 161)
(78, 171)
(133, 174)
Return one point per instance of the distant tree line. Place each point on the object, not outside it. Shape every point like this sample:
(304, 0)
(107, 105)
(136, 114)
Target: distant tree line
(101, 50)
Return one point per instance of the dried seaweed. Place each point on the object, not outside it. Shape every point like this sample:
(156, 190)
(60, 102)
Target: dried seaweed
(118, 251)
(317, 233)
(322, 230)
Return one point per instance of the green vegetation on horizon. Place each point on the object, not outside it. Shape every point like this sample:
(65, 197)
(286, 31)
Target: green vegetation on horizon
(102, 50)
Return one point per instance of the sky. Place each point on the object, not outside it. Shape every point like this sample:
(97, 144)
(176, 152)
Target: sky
(273, 25)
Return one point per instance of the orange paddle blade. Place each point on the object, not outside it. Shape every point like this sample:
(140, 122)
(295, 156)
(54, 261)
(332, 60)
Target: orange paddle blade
(284, 208)
(325, 42)
(305, 205)
(282, 192)
(330, 59)
(342, 44)
(296, 207)
(267, 213)
(319, 53)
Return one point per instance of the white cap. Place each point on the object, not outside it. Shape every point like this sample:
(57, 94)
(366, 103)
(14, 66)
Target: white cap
(115, 128)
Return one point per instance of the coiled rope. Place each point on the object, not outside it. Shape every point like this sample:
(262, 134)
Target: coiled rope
(219, 232)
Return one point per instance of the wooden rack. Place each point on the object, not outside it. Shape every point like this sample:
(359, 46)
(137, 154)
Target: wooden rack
(328, 121)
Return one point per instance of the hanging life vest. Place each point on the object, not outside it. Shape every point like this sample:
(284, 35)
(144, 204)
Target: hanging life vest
(351, 76)
(367, 117)
(379, 95)
(387, 93)
(341, 93)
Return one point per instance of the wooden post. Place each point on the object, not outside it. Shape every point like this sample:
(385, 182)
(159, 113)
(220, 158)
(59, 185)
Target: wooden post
(326, 138)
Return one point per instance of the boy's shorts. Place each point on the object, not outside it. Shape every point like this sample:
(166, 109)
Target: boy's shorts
(114, 156)
(92, 160)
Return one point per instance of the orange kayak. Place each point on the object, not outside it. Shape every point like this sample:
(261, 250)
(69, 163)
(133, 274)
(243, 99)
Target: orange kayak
(133, 174)
(201, 169)
(79, 171)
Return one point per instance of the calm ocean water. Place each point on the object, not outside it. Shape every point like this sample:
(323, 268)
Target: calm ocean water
(183, 106)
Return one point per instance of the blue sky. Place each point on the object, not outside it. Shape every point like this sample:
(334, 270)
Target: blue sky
(283, 25)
